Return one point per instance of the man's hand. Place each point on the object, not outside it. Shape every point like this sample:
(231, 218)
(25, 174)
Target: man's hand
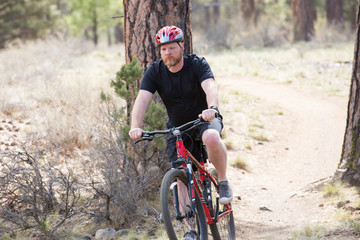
(135, 133)
(208, 114)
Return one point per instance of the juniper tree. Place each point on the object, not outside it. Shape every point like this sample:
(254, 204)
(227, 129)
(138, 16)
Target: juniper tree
(129, 172)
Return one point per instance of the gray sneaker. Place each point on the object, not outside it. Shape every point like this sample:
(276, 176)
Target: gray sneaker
(190, 235)
(225, 192)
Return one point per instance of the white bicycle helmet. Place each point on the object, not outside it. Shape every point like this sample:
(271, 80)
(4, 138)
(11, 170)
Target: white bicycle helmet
(169, 34)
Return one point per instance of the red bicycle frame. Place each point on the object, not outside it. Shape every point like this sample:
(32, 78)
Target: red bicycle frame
(183, 153)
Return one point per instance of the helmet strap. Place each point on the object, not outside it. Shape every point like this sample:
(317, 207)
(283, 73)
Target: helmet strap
(179, 44)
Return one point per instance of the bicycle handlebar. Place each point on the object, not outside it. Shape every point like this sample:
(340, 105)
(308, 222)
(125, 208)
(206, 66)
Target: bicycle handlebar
(150, 135)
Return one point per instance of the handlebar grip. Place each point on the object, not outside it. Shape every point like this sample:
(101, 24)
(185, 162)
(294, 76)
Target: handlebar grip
(217, 114)
(145, 136)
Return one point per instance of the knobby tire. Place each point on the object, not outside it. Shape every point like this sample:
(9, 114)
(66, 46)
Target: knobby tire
(176, 228)
(224, 229)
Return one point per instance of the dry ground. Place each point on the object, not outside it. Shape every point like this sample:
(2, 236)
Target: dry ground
(307, 132)
(289, 135)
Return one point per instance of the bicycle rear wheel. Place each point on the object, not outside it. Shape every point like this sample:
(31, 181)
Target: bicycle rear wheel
(175, 183)
(224, 229)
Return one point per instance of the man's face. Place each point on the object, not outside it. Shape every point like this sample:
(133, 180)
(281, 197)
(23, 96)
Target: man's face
(171, 53)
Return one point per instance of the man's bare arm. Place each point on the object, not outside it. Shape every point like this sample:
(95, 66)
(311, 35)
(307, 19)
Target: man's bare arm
(210, 88)
(138, 113)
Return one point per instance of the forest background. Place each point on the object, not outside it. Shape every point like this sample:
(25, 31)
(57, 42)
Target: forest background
(61, 62)
(227, 23)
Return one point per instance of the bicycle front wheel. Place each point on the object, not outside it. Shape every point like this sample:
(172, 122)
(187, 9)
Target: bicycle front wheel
(224, 228)
(175, 204)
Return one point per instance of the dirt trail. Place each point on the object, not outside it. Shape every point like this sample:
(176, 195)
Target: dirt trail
(305, 148)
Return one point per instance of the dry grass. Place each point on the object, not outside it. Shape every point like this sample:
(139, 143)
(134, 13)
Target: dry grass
(56, 86)
(332, 189)
(324, 66)
(344, 200)
(241, 163)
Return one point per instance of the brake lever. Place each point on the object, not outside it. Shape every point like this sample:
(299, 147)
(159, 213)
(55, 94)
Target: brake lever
(145, 136)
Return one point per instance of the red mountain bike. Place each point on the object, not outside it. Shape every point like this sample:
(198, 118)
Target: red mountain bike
(190, 193)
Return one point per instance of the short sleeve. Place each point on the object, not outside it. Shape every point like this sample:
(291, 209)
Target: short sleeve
(148, 82)
(203, 69)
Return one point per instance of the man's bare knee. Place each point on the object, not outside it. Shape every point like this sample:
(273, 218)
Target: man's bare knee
(211, 138)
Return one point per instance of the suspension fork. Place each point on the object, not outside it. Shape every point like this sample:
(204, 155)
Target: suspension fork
(190, 195)
(174, 188)
(206, 183)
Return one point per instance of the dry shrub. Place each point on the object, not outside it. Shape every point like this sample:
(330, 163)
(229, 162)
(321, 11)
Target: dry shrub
(122, 180)
(55, 85)
(36, 196)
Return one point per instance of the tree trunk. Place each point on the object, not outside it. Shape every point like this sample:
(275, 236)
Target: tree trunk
(216, 11)
(248, 11)
(95, 27)
(108, 33)
(350, 157)
(334, 12)
(119, 33)
(207, 19)
(304, 16)
(142, 20)
(353, 20)
(353, 13)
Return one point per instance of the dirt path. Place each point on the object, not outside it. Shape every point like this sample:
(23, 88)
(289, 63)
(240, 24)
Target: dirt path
(305, 148)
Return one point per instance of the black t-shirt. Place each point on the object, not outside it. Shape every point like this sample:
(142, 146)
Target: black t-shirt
(181, 92)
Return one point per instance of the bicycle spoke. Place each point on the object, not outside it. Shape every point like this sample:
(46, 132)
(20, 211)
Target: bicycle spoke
(224, 228)
(178, 216)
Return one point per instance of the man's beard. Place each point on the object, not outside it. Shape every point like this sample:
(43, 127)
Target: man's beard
(171, 61)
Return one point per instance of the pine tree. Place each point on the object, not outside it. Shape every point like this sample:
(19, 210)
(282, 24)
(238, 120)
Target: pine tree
(93, 17)
(126, 87)
(21, 19)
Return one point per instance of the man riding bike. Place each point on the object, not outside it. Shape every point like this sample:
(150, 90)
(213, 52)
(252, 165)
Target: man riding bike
(187, 87)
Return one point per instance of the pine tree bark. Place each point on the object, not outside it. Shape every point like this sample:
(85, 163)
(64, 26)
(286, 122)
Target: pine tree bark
(142, 20)
(304, 16)
(353, 20)
(334, 12)
(216, 11)
(350, 157)
(95, 27)
(119, 33)
(248, 10)
(353, 8)
(207, 18)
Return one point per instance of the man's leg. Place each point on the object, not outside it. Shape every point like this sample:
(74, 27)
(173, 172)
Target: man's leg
(216, 151)
(217, 154)
(184, 202)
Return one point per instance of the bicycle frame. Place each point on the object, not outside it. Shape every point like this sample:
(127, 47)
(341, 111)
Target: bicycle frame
(187, 159)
